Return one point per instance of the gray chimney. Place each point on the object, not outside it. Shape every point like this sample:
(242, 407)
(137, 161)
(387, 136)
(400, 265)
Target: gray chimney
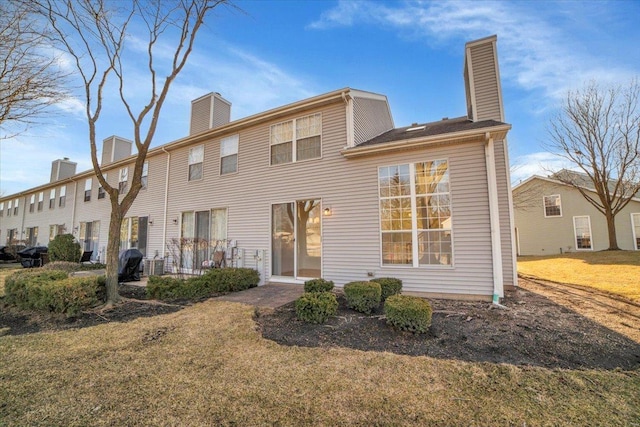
(62, 168)
(482, 80)
(209, 111)
(115, 148)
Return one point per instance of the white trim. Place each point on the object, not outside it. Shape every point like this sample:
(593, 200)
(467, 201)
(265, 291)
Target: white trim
(544, 205)
(494, 215)
(575, 234)
(472, 88)
(633, 230)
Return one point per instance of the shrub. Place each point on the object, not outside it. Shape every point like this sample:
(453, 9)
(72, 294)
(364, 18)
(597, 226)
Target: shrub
(71, 267)
(232, 279)
(389, 285)
(214, 281)
(408, 313)
(64, 248)
(53, 291)
(316, 307)
(164, 287)
(318, 285)
(363, 296)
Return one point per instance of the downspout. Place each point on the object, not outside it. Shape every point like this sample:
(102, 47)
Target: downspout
(166, 203)
(494, 212)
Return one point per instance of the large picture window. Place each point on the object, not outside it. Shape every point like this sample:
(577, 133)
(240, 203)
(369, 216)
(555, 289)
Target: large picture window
(415, 214)
(552, 206)
(296, 140)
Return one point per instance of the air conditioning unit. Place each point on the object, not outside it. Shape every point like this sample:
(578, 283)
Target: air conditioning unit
(153, 267)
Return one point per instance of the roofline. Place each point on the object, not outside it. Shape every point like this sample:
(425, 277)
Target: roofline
(497, 132)
(555, 181)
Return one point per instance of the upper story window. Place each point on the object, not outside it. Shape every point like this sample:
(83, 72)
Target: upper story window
(122, 180)
(552, 206)
(196, 158)
(9, 208)
(52, 198)
(296, 140)
(40, 201)
(16, 202)
(144, 180)
(101, 192)
(229, 154)
(1, 209)
(63, 196)
(32, 203)
(87, 189)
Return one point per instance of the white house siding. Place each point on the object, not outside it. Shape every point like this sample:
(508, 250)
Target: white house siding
(505, 218)
(200, 115)
(538, 235)
(485, 82)
(370, 118)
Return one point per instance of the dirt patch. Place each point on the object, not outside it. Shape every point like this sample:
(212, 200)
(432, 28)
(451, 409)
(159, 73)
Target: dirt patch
(134, 305)
(533, 330)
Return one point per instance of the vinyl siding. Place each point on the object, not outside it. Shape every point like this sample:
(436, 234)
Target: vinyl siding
(370, 118)
(221, 112)
(505, 220)
(107, 149)
(200, 115)
(485, 82)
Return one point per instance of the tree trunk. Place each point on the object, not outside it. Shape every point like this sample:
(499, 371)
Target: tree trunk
(113, 250)
(611, 228)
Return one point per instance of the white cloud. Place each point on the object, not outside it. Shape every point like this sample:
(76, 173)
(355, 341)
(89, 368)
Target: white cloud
(541, 163)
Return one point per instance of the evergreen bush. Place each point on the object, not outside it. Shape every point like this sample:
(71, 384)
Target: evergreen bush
(64, 248)
(363, 296)
(408, 313)
(316, 307)
(318, 285)
(390, 286)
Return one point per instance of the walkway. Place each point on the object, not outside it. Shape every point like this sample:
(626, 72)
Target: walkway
(271, 295)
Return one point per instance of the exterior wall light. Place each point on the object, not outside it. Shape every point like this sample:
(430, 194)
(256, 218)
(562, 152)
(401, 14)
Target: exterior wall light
(327, 212)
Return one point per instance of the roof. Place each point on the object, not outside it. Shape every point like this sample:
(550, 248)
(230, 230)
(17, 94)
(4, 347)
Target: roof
(442, 127)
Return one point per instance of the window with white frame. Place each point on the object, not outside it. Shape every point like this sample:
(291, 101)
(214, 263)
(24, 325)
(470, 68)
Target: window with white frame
(552, 206)
(123, 178)
(144, 179)
(196, 159)
(32, 236)
(296, 140)
(582, 231)
(87, 189)
(1, 209)
(101, 191)
(32, 203)
(16, 202)
(62, 197)
(54, 230)
(52, 198)
(635, 228)
(229, 154)
(9, 207)
(133, 233)
(40, 201)
(415, 214)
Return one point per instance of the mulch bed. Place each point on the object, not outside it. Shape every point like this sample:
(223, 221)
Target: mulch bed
(533, 330)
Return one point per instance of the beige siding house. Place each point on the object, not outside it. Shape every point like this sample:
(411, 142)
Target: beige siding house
(324, 187)
(552, 217)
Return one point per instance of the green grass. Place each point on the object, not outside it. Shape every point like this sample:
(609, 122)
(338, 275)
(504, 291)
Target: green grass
(4, 272)
(208, 365)
(616, 272)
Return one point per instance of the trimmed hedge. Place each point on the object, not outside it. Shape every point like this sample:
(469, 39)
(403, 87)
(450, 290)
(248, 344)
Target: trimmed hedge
(316, 307)
(408, 313)
(71, 267)
(53, 291)
(390, 286)
(64, 248)
(214, 281)
(318, 285)
(363, 296)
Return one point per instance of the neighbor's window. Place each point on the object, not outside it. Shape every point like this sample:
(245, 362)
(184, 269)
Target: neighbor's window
(32, 203)
(123, 177)
(229, 154)
(582, 230)
(15, 206)
(9, 208)
(52, 198)
(101, 192)
(196, 157)
(63, 196)
(552, 206)
(1, 209)
(40, 201)
(144, 179)
(87, 189)
(635, 227)
(296, 140)
(415, 214)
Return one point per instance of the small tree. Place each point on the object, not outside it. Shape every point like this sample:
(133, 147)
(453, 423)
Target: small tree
(598, 130)
(64, 248)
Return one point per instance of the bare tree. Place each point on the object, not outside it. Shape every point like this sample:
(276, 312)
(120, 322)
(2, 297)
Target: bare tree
(93, 33)
(30, 79)
(598, 130)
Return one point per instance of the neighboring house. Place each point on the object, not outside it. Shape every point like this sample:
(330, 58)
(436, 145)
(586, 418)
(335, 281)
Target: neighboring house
(553, 217)
(324, 187)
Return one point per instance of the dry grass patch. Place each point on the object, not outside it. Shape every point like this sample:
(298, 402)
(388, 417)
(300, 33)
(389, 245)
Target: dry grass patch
(4, 272)
(616, 272)
(208, 365)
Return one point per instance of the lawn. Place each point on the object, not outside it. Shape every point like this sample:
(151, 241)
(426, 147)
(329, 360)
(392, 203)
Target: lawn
(208, 365)
(616, 272)
(6, 270)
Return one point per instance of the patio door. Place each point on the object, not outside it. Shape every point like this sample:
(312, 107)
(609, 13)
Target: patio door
(296, 244)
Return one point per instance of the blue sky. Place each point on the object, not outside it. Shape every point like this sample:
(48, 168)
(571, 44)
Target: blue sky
(277, 52)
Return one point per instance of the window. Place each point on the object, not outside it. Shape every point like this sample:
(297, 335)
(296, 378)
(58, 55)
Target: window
(32, 236)
(635, 228)
(101, 192)
(196, 157)
(63, 196)
(229, 155)
(144, 180)
(9, 208)
(552, 206)
(40, 201)
(32, 203)
(1, 209)
(88, 237)
(122, 180)
(582, 230)
(87, 189)
(415, 214)
(203, 233)
(133, 234)
(296, 140)
(54, 230)
(15, 206)
(52, 198)
(12, 237)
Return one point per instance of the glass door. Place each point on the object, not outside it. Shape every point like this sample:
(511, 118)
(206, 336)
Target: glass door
(283, 240)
